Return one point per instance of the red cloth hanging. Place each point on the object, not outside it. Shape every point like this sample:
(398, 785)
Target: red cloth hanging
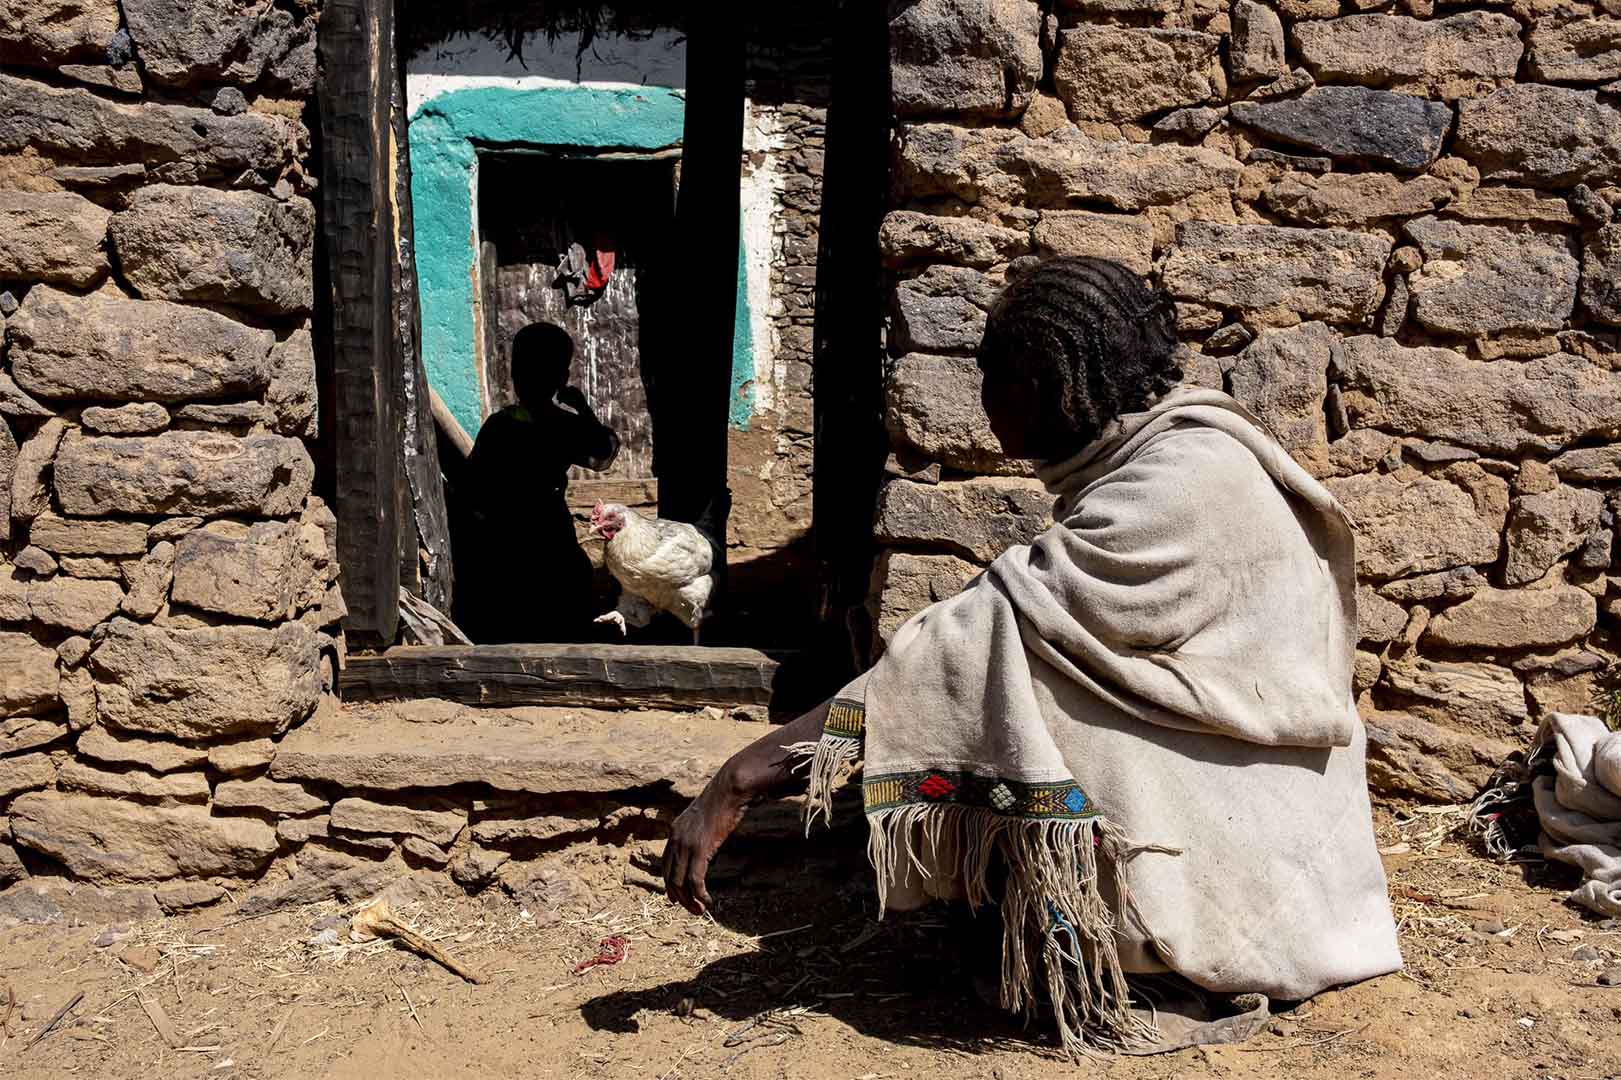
(602, 264)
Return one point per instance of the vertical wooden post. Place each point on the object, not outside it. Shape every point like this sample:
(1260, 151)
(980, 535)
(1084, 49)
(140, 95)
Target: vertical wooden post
(692, 364)
(847, 347)
(425, 558)
(356, 47)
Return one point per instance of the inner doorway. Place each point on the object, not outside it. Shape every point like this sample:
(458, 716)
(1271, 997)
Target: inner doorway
(571, 240)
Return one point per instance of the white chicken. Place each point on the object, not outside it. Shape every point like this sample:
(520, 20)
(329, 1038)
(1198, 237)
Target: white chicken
(660, 566)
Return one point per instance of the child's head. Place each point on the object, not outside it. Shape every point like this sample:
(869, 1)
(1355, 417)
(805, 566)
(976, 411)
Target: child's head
(541, 354)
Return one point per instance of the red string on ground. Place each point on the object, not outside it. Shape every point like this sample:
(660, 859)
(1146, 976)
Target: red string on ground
(614, 949)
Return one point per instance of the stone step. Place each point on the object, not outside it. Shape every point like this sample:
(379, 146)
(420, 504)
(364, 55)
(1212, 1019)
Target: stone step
(438, 744)
(600, 675)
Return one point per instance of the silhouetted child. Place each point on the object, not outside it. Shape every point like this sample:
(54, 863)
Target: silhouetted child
(529, 580)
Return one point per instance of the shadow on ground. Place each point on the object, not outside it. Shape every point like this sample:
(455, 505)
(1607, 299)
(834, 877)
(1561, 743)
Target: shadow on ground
(908, 978)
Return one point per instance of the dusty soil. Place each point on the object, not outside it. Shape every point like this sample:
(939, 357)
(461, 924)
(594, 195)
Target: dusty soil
(792, 981)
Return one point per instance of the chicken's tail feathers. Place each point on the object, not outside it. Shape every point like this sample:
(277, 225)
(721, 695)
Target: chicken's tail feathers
(712, 522)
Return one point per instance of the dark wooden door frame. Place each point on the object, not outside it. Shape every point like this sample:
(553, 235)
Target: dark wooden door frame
(386, 475)
(356, 46)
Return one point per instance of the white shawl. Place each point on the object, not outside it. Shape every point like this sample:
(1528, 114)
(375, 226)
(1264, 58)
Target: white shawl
(1170, 662)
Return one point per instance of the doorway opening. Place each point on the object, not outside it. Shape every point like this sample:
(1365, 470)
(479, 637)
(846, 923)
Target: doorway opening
(569, 240)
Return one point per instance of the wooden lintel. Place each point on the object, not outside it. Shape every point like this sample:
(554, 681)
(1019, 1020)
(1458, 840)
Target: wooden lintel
(600, 676)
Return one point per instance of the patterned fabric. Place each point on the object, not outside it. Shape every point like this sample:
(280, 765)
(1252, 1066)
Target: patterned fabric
(1057, 801)
(845, 720)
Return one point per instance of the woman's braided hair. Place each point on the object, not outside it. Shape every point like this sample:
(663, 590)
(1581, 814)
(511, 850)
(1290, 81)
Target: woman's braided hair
(1088, 331)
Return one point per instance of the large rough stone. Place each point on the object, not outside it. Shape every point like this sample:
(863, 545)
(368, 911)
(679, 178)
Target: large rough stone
(1330, 274)
(1002, 166)
(30, 488)
(1601, 274)
(19, 733)
(292, 395)
(1453, 57)
(179, 144)
(74, 604)
(1483, 697)
(976, 518)
(155, 755)
(1409, 523)
(270, 796)
(1542, 134)
(1353, 123)
(1496, 407)
(206, 682)
(148, 581)
(184, 43)
(1597, 464)
(1125, 73)
(183, 472)
(44, 901)
(934, 409)
(1580, 50)
(1354, 198)
(110, 840)
(1515, 619)
(229, 247)
(965, 57)
(1256, 46)
(1483, 279)
(536, 751)
(12, 870)
(256, 571)
(1545, 527)
(1512, 204)
(52, 236)
(942, 309)
(1282, 377)
(907, 236)
(244, 755)
(103, 347)
(67, 536)
(140, 418)
(323, 874)
(79, 698)
(27, 772)
(1410, 756)
(133, 783)
(41, 32)
(364, 816)
(1128, 241)
(1377, 620)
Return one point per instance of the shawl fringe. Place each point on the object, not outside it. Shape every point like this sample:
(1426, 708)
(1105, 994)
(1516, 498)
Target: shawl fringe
(1057, 925)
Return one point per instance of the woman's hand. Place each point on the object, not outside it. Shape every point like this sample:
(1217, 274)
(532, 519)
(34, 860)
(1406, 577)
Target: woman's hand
(760, 770)
(695, 837)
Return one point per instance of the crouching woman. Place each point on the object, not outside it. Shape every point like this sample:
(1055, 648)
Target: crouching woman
(1136, 735)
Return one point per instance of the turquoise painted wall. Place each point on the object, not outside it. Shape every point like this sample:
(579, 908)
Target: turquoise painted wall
(446, 134)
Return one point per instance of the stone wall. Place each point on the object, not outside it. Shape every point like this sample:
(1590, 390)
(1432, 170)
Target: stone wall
(1388, 229)
(168, 595)
(770, 471)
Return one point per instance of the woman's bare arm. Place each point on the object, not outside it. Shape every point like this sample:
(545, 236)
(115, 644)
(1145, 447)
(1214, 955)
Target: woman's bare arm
(763, 769)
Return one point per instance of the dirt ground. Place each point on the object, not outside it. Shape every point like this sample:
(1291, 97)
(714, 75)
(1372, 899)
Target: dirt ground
(794, 980)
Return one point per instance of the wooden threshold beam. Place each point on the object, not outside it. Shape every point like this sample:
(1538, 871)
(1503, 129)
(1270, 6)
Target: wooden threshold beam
(595, 676)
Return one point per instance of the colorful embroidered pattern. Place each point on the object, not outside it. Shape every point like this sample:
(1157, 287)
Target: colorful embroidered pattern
(845, 720)
(1063, 800)
(1058, 800)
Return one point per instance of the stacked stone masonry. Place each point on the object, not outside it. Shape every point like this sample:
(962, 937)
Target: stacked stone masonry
(169, 603)
(1389, 228)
